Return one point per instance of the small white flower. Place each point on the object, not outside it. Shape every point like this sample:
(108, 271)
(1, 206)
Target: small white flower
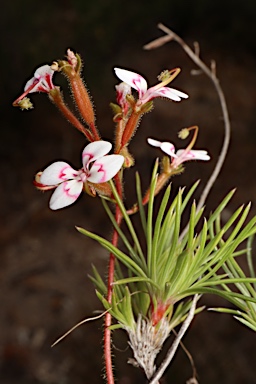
(40, 82)
(146, 94)
(181, 155)
(97, 168)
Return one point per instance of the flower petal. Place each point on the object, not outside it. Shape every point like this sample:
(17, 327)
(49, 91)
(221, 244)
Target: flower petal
(94, 151)
(165, 146)
(105, 168)
(133, 79)
(193, 155)
(57, 172)
(66, 194)
(169, 93)
(32, 85)
(122, 90)
(42, 80)
(43, 71)
(154, 143)
(168, 148)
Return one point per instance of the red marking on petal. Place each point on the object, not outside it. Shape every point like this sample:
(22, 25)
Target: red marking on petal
(63, 175)
(101, 170)
(66, 190)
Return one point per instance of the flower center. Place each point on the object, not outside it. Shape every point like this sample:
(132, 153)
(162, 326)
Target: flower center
(81, 175)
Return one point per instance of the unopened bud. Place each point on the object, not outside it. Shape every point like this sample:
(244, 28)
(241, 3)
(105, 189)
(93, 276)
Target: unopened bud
(72, 59)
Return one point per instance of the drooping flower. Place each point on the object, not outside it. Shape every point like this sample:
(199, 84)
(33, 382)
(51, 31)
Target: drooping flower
(181, 155)
(97, 168)
(40, 82)
(146, 94)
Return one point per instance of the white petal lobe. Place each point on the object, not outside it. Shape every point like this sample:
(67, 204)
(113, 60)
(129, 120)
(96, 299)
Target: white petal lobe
(94, 151)
(57, 172)
(65, 194)
(105, 168)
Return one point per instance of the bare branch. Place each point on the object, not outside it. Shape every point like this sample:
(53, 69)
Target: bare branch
(211, 73)
(171, 352)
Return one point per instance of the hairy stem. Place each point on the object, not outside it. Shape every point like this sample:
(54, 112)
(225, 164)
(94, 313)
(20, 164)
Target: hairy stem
(111, 271)
(57, 98)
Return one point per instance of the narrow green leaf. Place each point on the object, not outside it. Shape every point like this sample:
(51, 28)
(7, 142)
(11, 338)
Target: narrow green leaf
(246, 323)
(140, 204)
(150, 223)
(136, 279)
(136, 257)
(157, 231)
(127, 220)
(126, 260)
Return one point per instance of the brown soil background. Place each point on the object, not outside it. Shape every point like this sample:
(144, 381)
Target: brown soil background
(45, 262)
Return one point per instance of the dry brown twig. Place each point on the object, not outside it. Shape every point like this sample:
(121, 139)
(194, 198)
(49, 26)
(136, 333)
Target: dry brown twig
(172, 350)
(211, 73)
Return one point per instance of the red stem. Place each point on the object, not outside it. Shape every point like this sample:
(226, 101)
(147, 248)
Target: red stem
(111, 270)
(94, 131)
(130, 127)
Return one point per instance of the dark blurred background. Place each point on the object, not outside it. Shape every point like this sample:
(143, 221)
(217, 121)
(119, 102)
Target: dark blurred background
(44, 261)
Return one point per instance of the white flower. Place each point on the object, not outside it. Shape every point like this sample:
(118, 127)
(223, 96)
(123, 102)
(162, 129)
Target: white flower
(97, 168)
(40, 82)
(181, 155)
(146, 94)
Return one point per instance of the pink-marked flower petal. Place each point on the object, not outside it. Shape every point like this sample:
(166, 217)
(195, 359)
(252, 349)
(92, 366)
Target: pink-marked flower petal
(192, 155)
(42, 80)
(133, 79)
(168, 148)
(122, 90)
(165, 146)
(65, 194)
(105, 168)
(169, 93)
(57, 173)
(94, 151)
(154, 143)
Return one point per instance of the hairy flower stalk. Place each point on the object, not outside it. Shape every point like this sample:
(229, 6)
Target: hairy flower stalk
(72, 68)
(56, 97)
